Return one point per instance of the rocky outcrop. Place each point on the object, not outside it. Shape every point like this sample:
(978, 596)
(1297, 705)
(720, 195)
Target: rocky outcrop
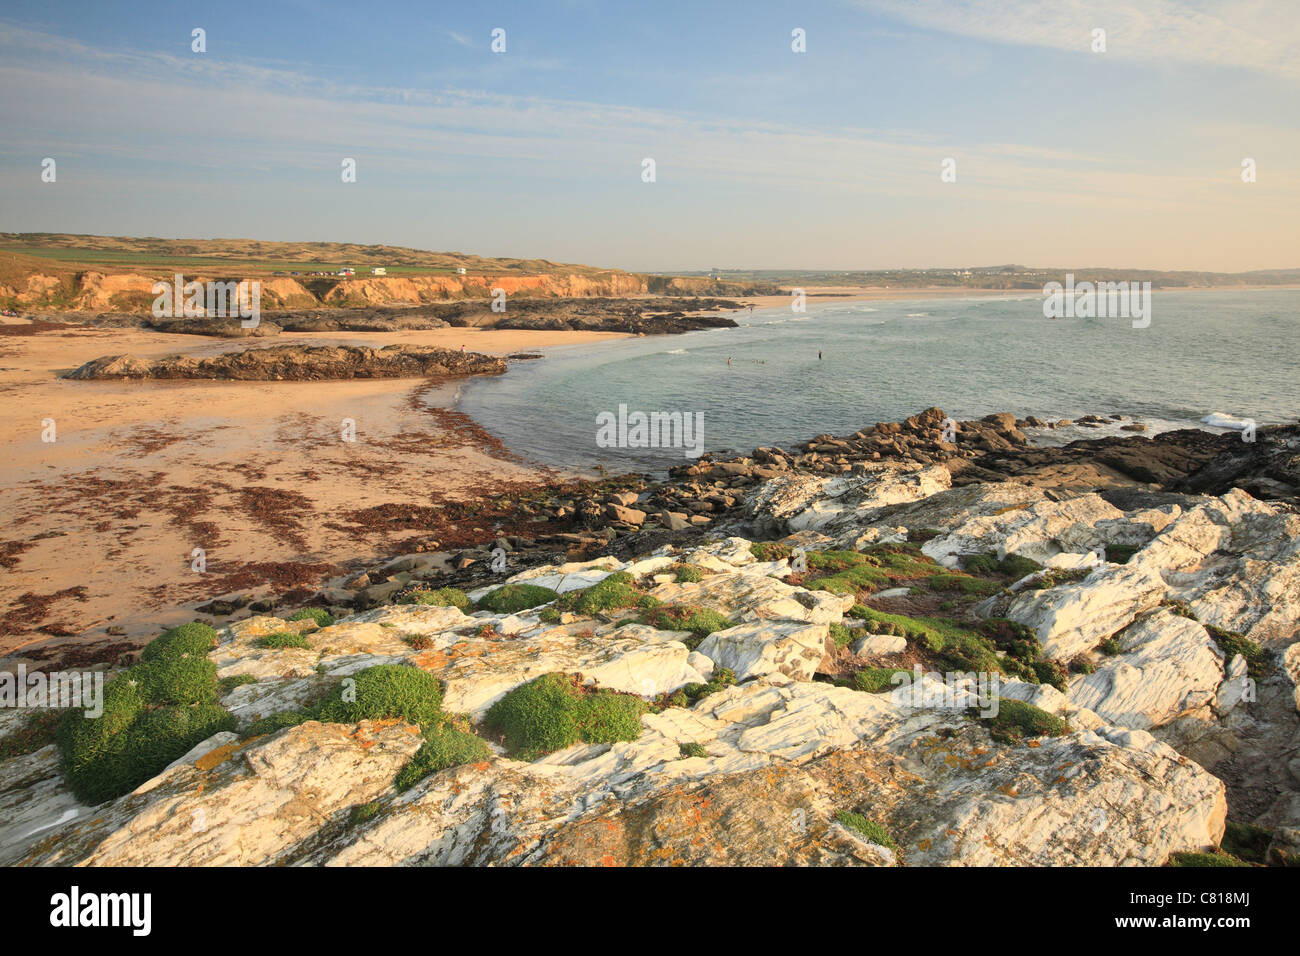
(299, 363)
(1146, 690)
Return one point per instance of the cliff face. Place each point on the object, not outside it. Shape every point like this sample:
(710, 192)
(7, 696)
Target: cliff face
(418, 290)
(132, 292)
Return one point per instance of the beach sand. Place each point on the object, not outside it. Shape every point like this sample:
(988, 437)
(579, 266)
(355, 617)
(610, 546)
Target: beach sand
(99, 525)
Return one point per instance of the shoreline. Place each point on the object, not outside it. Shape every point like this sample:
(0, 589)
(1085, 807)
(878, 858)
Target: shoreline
(102, 553)
(101, 522)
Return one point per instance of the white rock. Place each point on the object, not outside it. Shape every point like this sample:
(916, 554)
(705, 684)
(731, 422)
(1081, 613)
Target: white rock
(875, 645)
(1168, 667)
(765, 648)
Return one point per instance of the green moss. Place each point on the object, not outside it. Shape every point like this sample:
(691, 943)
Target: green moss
(192, 639)
(700, 621)
(1082, 665)
(692, 750)
(442, 597)
(868, 829)
(986, 563)
(1050, 672)
(282, 639)
(841, 635)
(1014, 566)
(227, 684)
(269, 725)
(770, 550)
(962, 582)
(851, 573)
(687, 573)
(1246, 841)
(1232, 644)
(1017, 720)
(614, 593)
(444, 746)
(322, 617)
(363, 813)
(1204, 859)
(1110, 647)
(956, 647)
(874, 680)
(181, 680)
(512, 598)
(139, 731)
(554, 711)
(385, 691)
(549, 615)
(1059, 576)
(689, 694)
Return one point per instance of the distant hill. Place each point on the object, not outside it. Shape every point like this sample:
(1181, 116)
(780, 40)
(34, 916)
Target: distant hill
(1003, 277)
(248, 256)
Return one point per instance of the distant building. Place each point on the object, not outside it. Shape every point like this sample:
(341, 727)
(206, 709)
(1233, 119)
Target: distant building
(379, 271)
(347, 272)
(460, 270)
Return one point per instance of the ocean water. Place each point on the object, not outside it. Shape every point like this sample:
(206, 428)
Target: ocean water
(1205, 353)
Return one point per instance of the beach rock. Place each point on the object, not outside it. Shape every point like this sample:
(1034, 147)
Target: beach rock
(1168, 667)
(1236, 562)
(880, 645)
(299, 363)
(803, 503)
(1072, 619)
(764, 649)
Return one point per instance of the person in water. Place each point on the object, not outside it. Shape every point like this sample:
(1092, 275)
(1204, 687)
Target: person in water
(819, 355)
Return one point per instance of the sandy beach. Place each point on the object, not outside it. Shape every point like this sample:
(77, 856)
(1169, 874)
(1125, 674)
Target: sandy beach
(101, 523)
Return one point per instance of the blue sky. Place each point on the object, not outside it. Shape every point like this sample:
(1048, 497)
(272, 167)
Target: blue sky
(765, 158)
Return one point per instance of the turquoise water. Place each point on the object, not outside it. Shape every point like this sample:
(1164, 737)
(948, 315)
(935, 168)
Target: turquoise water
(1235, 353)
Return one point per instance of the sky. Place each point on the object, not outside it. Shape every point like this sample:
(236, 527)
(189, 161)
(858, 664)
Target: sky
(764, 158)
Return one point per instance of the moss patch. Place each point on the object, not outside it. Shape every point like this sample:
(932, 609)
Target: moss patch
(139, 732)
(614, 593)
(194, 640)
(444, 746)
(868, 829)
(363, 813)
(554, 711)
(686, 573)
(322, 617)
(442, 597)
(512, 598)
(875, 680)
(282, 639)
(1214, 858)
(1017, 720)
(1246, 841)
(1232, 644)
(700, 621)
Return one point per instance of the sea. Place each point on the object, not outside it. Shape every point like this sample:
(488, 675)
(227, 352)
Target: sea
(1208, 359)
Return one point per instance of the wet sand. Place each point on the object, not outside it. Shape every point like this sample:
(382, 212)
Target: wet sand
(100, 525)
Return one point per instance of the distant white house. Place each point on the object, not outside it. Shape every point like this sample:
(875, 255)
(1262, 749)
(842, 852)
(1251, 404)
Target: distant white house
(460, 270)
(379, 271)
(347, 271)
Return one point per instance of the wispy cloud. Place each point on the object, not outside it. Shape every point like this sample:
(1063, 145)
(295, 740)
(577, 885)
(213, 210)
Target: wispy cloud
(1260, 35)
